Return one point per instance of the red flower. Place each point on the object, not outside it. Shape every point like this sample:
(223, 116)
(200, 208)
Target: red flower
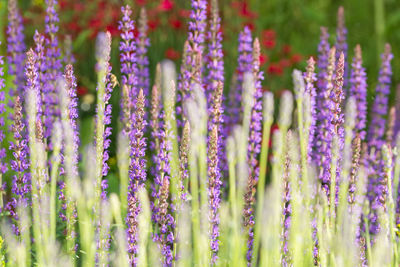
(172, 54)
(176, 23)
(275, 69)
(284, 63)
(269, 44)
(269, 34)
(286, 49)
(184, 13)
(244, 10)
(296, 58)
(263, 59)
(166, 5)
(113, 29)
(153, 24)
(81, 91)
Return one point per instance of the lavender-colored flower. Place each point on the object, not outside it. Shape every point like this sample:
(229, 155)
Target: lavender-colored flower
(358, 89)
(286, 213)
(3, 165)
(214, 59)
(73, 108)
(192, 59)
(341, 43)
(184, 161)
(137, 175)
(337, 97)
(160, 192)
(128, 58)
(254, 148)
(376, 185)
(41, 68)
(142, 58)
(322, 79)
(325, 128)
(53, 67)
(20, 163)
(245, 61)
(310, 78)
(380, 107)
(103, 53)
(16, 49)
(214, 192)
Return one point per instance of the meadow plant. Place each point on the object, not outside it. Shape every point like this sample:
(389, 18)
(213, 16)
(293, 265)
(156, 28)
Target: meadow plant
(204, 179)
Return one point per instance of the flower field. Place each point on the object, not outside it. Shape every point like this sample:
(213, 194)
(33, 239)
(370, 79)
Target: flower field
(199, 133)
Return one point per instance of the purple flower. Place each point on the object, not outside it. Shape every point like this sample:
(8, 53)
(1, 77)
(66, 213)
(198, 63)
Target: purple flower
(214, 191)
(380, 107)
(128, 59)
(287, 212)
(41, 68)
(310, 78)
(254, 148)
(322, 65)
(245, 61)
(162, 211)
(142, 58)
(341, 44)
(3, 165)
(20, 163)
(16, 49)
(192, 65)
(376, 185)
(103, 53)
(325, 128)
(137, 174)
(53, 66)
(73, 108)
(184, 161)
(358, 89)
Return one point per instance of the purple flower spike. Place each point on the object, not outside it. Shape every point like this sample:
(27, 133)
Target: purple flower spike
(245, 61)
(214, 192)
(53, 67)
(41, 68)
(310, 78)
(137, 175)
(376, 189)
(325, 118)
(215, 57)
(73, 108)
(341, 43)
(19, 164)
(142, 58)
(337, 96)
(254, 148)
(192, 59)
(128, 59)
(380, 107)
(358, 89)
(3, 165)
(15, 49)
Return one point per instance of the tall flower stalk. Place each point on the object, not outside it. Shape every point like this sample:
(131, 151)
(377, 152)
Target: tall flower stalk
(137, 175)
(358, 90)
(53, 67)
(128, 59)
(254, 148)
(3, 164)
(16, 49)
(143, 44)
